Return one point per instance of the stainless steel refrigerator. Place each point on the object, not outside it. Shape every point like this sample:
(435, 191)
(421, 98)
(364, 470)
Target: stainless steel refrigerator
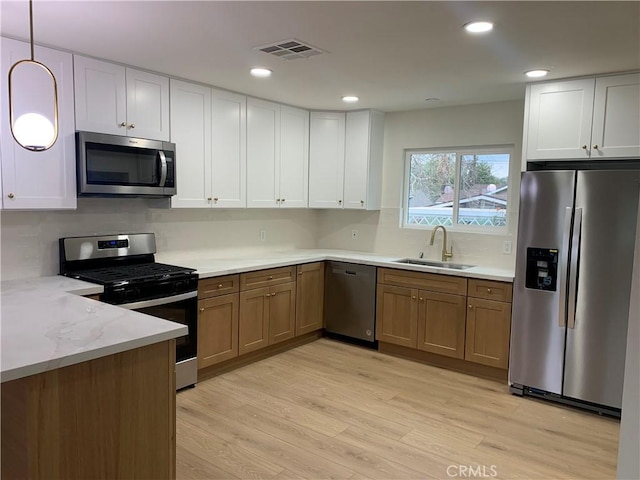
(572, 287)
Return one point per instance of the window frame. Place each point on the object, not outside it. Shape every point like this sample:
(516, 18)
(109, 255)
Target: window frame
(459, 152)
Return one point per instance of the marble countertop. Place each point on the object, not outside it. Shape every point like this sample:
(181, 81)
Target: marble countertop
(207, 265)
(46, 324)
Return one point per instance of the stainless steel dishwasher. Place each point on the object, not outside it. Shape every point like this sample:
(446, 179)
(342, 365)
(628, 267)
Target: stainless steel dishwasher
(350, 301)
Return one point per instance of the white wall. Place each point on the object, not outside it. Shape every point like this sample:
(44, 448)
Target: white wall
(628, 458)
(29, 240)
(471, 125)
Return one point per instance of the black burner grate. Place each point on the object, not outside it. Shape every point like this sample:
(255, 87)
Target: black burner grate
(144, 271)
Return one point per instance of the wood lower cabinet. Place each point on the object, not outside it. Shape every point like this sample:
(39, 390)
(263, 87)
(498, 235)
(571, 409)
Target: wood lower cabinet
(397, 315)
(309, 297)
(441, 323)
(218, 306)
(465, 319)
(488, 324)
(217, 329)
(282, 313)
(253, 331)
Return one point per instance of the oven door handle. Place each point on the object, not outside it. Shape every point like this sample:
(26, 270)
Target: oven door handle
(159, 301)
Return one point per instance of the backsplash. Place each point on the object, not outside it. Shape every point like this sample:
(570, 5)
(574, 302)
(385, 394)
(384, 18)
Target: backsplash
(30, 239)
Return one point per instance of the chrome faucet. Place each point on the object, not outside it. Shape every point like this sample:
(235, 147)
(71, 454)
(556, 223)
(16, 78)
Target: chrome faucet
(445, 255)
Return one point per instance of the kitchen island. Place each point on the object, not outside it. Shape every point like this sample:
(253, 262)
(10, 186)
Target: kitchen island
(88, 389)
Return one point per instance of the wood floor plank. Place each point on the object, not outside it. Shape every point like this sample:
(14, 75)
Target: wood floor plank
(332, 410)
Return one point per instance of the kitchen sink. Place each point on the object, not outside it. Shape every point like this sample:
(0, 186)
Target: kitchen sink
(434, 263)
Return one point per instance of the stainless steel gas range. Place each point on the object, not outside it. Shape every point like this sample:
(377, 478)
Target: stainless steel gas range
(125, 265)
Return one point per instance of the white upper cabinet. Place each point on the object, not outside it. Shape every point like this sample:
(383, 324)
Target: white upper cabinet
(363, 160)
(38, 180)
(119, 100)
(191, 132)
(326, 159)
(589, 118)
(228, 150)
(208, 127)
(616, 117)
(294, 158)
(263, 153)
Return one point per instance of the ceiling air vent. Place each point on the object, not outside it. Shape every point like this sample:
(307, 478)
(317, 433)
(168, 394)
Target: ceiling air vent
(290, 49)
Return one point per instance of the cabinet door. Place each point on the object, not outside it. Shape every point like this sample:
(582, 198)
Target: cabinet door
(397, 315)
(326, 160)
(559, 120)
(309, 297)
(228, 149)
(363, 160)
(147, 105)
(191, 132)
(294, 157)
(38, 180)
(217, 329)
(100, 96)
(263, 154)
(616, 117)
(441, 324)
(253, 329)
(282, 312)
(488, 332)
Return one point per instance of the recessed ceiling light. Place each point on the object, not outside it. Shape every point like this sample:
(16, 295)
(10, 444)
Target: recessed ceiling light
(478, 27)
(432, 99)
(350, 99)
(536, 73)
(261, 72)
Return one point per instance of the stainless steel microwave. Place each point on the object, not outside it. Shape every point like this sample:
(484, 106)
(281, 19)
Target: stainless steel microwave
(111, 165)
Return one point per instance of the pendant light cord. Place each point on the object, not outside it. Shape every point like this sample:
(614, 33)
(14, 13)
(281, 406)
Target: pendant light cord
(31, 27)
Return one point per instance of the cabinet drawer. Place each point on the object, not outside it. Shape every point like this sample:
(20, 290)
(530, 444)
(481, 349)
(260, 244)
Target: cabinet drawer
(490, 290)
(265, 278)
(213, 287)
(425, 281)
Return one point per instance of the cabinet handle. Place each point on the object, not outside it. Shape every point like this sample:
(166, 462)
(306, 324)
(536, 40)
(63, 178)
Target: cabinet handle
(271, 277)
(202, 309)
(595, 147)
(123, 124)
(488, 290)
(413, 297)
(268, 295)
(133, 125)
(220, 286)
(283, 200)
(339, 202)
(362, 202)
(215, 199)
(299, 273)
(421, 299)
(208, 199)
(470, 306)
(584, 147)
(11, 195)
(277, 200)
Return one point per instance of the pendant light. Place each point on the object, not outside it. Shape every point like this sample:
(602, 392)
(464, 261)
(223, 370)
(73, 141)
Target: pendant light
(32, 130)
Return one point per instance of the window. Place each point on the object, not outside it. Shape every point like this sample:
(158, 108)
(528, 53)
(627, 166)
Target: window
(461, 187)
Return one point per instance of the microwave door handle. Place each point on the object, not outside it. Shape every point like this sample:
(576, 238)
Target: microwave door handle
(163, 168)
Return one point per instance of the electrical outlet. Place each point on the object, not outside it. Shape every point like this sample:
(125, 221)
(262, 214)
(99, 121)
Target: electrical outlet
(263, 235)
(506, 247)
(354, 234)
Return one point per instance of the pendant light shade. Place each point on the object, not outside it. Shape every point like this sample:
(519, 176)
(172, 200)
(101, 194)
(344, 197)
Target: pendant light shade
(35, 126)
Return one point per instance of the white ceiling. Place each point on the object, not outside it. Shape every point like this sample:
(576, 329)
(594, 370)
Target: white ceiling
(393, 54)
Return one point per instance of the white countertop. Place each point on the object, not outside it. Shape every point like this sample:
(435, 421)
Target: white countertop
(210, 266)
(45, 324)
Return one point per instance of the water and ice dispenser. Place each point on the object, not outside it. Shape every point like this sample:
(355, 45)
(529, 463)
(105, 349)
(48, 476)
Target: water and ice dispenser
(542, 269)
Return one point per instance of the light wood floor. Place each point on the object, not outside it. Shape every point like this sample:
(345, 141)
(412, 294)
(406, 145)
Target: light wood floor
(330, 410)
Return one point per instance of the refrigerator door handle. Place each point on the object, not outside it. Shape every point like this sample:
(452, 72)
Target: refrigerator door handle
(562, 267)
(573, 267)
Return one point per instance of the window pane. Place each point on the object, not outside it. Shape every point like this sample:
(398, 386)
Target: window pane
(431, 187)
(483, 189)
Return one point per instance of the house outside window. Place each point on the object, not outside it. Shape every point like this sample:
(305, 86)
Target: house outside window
(464, 188)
